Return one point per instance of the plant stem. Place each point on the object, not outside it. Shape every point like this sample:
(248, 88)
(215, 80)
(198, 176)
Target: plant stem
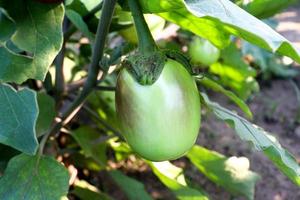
(98, 50)
(146, 42)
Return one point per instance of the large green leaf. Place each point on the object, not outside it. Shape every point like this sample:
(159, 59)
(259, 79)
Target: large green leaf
(31, 178)
(38, 32)
(133, 189)
(173, 177)
(7, 25)
(267, 8)
(261, 140)
(46, 113)
(216, 19)
(231, 173)
(18, 117)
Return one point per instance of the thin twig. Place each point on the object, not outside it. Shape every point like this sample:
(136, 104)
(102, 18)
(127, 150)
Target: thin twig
(72, 29)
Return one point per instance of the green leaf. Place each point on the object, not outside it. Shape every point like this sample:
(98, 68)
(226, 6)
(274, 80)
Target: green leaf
(261, 140)
(173, 177)
(218, 88)
(86, 191)
(77, 20)
(46, 113)
(18, 122)
(134, 189)
(267, 8)
(39, 33)
(231, 173)
(30, 178)
(7, 25)
(215, 20)
(88, 140)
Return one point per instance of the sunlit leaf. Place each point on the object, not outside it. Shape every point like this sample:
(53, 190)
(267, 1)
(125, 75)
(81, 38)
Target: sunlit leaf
(173, 177)
(86, 191)
(215, 20)
(231, 173)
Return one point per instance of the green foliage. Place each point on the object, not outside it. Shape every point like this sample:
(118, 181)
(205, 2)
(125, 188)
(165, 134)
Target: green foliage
(269, 64)
(133, 189)
(215, 20)
(209, 83)
(90, 142)
(34, 178)
(260, 139)
(42, 24)
(233, 72)
(77, 20)
(173, 177)
(86, 191)
(231, 173)
(266, 8)
(7, 25)
(31, 37)
(18, 122)
(47, 113)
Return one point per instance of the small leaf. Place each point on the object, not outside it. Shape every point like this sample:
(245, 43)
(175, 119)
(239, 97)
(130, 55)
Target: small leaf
(18, 122)
(87, 138)
(38, 32)
(77, 20)
(173, 177)
(261, 140)
(218, 88)
(231, 173)
(134, 189)
(28, 178)
(46, 113)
